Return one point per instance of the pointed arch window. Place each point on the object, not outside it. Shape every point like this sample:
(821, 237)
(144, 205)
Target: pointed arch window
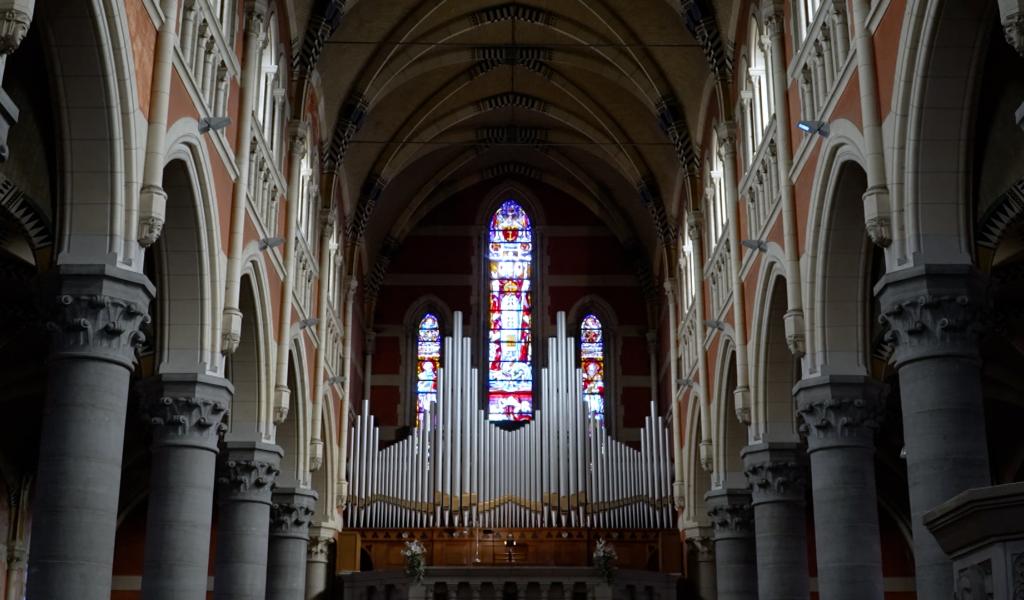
(592, 363)
(510, 314)
(428, 358)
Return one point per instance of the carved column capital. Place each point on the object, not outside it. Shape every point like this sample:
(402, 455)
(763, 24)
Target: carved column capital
(839, 410)
(186, 409)
(320, 541)
(933, 311)
(97, 311)
(247, 471)
(291, 512)
(732, 515)
(777, 472)
(694, 224)
(699, 539)
(1011, 15)
(773, 19)
(726, 139)
(14, 22)
(298, 133)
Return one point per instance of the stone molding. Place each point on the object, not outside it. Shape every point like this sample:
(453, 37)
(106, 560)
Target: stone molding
(186, 410)
(839, 410)
(777, 472)
(933, 311)
(247, 471)
(291, 512)
(731, 512)
(97, 312)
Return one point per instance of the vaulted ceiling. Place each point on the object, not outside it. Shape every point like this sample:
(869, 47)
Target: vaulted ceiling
(596, 97)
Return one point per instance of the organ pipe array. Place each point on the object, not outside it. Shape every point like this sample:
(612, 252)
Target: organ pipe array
(457, 469)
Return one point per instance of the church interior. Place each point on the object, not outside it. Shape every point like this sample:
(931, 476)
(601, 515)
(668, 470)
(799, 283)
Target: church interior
(511, 299)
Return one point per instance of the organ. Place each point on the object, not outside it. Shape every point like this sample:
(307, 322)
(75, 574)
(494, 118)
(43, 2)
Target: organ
(561, 469)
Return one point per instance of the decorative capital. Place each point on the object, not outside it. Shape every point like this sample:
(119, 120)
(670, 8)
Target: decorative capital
(932, 311)
(299, 135)
(1011, 15)
(99, 311)
(772, 19)
(13, 27)
(187, 409)
(316, 454)
(231, 334)
(291, 512)
(247, 471)
(282, 403)
(319, 548)
(839, 410)
(706, 458)
(796, 340)
(341, 494)
(726, 139)
(700, 540)
(732, 515)
(777, 472)
(694, 223)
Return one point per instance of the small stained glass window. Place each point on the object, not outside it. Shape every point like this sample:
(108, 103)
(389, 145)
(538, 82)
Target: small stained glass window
(510, 306)
(428, 355)
(592, 364)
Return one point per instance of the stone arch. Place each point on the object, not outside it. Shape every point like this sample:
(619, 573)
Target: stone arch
(838, 259)
(185, 274)
(323, 479)
(92, 72)
(777, 367)
(408, 353)
(246, 367)
(697, 478)
(933, 105)
(731, 434)
(592, 303)
(291, 434)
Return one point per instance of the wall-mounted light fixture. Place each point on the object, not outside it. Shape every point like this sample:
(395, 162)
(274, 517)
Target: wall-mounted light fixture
(812, 127)
(307, 323)
(270, 242)
(759, 245)
(213, 123)
(715, 324)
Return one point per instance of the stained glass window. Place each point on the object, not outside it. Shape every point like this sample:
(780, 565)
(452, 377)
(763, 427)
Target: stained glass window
(509, 353)
(428, 354)
(592, 363)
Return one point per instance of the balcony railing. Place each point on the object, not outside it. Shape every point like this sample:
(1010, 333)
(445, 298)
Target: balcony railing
(266, 183)
(822, 58)
(760, 185)
(210, 61)
(718, 276)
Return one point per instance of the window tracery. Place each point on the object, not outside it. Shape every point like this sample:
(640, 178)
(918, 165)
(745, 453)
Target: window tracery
(428, 358)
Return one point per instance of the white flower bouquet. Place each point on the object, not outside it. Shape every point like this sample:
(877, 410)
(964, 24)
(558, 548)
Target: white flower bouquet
(415, 560)
(604, 559)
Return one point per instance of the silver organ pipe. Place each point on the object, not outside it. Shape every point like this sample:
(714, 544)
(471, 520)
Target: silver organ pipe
(561, 469)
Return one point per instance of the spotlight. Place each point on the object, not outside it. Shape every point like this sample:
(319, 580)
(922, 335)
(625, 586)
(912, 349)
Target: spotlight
(270, 242)
(759, 245)
(715, 324)
(336, 379)
(819, 127)
(213, 123)
(307, 323)
(687, 382)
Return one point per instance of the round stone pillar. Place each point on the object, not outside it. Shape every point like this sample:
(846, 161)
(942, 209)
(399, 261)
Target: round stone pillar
(777, 476)
(735, 559)
(839, 414)
(318, 569)
(247, 473)
(700, 551)
(187, 413)
(96, 314)
(290, 515)
(934, 314)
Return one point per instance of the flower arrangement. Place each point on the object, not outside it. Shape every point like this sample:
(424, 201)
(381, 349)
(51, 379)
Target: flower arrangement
(604, 559)
(415, 560)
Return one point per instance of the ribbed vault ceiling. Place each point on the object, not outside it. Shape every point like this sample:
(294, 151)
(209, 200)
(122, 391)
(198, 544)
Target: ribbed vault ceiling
(595, 97)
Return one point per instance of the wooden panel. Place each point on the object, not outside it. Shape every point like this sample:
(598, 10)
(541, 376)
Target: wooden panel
(349, 543)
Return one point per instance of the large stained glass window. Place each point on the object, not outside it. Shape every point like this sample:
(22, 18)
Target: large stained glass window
(509, 371)
(592, 363)
(428, 355)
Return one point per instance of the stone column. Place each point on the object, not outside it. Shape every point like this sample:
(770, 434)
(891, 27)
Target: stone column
(97, 312)
(735, 560)
(777, 476)
(247, 473)
(839, 415)
(700, 546)
(934, 314)
(290, 515)
(318, 571)
(187, 413)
